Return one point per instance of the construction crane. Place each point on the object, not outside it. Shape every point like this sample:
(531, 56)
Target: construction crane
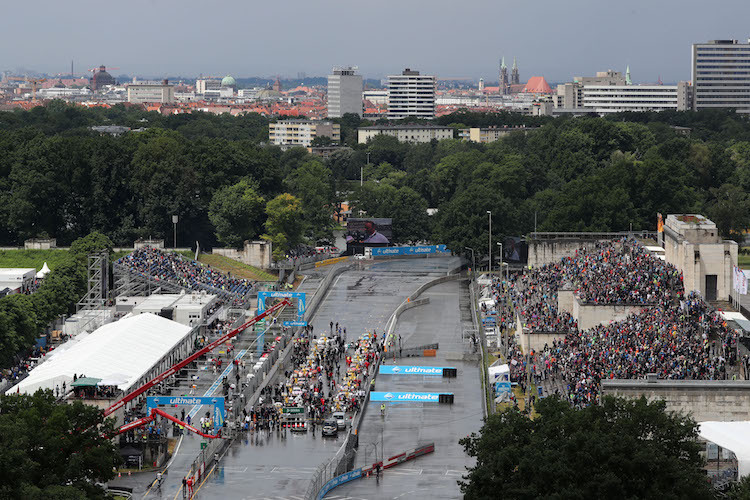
(179, 366)
(33, 81)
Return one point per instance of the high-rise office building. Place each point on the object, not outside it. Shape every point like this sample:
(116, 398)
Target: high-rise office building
(344, 92)
(411, 95)
(721, 75)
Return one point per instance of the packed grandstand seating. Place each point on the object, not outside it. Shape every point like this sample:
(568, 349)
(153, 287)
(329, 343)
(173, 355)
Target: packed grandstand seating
(674, 336)
(617, 272)
(187, 273)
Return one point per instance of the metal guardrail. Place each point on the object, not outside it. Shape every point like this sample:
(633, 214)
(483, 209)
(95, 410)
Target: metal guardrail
(343, 461)
(488, 401)
(594, 235)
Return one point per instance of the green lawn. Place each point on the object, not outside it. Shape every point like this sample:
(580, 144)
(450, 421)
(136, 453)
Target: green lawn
(744, 261)
(32, 258)
(237, 268)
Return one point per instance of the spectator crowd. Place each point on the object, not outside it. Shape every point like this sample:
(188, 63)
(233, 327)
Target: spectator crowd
(673, 336)
(187, 273)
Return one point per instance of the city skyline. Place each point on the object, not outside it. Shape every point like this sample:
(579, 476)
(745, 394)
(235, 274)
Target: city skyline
(153, 38)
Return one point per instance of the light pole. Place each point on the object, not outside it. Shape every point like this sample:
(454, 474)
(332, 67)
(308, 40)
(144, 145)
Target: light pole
(175, 218)
(473, 262)
(501, 259)
(489, 247)
(361, 171)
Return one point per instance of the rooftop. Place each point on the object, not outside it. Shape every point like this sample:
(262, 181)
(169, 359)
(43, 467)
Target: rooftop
(124, 351)
(408, 126)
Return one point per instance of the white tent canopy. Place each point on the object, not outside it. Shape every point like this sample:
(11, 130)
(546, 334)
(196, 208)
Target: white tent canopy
(733, 436)
(121, 353)
(496, 371)
(44, 271)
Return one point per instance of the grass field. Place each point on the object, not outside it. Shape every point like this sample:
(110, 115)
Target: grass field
(32, 258)
(236, 268)
(744, 261)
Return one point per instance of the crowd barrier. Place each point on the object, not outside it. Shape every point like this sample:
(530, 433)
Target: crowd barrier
(328, 262)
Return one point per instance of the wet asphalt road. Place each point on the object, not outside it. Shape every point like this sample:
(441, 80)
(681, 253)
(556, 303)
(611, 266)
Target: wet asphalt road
(278, 466)
(409, 425)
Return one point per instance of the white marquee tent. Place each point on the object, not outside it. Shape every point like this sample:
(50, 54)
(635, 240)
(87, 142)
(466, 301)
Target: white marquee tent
(733, 436)
(120, 353)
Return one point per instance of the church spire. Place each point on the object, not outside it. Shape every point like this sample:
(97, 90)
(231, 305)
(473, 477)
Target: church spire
(515, 78)
(503, 80)
(628, 81)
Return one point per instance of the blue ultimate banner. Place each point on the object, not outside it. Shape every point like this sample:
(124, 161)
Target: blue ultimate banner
(220, 413)
(405, 397)
(411, 370)
(425, 249)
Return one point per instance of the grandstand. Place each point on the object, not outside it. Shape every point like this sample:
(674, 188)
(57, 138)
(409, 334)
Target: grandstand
(149, 270)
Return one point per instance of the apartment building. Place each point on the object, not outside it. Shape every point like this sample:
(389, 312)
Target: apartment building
(288, 133)
(405, 133)
(411, 95)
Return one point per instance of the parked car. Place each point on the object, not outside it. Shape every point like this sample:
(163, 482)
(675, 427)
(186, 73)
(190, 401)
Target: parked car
(330, 427)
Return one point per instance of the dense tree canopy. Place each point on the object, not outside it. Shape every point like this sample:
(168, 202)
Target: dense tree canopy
(52, 450)
(587, 173)
(23, 317)
(619, 449)
(236, 212)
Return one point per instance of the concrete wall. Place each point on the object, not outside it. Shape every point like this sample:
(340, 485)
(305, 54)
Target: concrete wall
(254, 253)
(565, 299)
(150, 243)
(693, 245)
(591, 315)
(40, 244)
(722, 400)
(543, 252)
(536, 340)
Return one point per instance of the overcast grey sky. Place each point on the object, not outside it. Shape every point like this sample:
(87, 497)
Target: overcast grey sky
(450, 38)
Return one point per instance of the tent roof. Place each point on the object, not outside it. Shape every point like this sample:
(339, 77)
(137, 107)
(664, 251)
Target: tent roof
(44, 271)
(124, 350)
(86, 382)
(733, 436)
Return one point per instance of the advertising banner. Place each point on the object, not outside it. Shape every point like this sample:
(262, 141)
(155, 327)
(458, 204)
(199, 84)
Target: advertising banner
(295, 323)
(300, 296)
(339, 480)
(740, 281)
(216, 402)
(411, 370)
(418, 250)
(405, 397)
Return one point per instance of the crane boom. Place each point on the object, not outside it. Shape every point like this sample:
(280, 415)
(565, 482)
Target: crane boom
(177, 367)
(149, 418)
